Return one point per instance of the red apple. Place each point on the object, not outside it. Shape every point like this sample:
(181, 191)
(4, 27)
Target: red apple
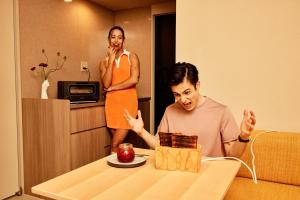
(125, 153)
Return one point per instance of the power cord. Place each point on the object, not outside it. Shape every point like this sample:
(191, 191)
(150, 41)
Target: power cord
(253, 172)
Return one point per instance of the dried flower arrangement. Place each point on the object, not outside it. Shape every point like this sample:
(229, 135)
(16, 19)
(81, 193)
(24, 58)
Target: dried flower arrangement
(46, 71)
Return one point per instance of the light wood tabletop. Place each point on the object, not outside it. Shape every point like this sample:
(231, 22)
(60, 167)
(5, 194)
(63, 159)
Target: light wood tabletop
(98, 180)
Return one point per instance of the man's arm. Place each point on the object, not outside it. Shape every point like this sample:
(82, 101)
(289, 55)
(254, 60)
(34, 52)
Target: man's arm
(236, 148)
(137, 125)
(148, 138)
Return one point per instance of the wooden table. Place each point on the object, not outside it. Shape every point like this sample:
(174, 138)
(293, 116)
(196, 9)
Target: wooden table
(98, 180)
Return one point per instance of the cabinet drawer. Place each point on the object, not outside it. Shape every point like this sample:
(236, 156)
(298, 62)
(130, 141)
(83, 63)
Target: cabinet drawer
(82, 119)
(88, 146)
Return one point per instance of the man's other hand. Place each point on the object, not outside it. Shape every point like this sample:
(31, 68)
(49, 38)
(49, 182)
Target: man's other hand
(247, 124)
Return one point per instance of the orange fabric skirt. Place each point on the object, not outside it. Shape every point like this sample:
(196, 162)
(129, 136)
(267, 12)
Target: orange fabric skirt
(115, 104)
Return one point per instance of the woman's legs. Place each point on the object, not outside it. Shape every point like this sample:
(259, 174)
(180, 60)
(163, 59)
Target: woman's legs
(118, 136)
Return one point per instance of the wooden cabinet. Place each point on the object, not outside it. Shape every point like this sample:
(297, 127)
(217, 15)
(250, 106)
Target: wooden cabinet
(85, 118)
(58, 138)
(88, 146)
(90, 139)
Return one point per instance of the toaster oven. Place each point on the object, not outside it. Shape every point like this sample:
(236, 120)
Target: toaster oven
(78, 91)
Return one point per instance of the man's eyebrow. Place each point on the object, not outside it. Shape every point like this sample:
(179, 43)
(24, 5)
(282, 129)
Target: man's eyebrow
(187, 90)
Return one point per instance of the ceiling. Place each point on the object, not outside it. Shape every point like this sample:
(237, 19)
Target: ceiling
(116, 5)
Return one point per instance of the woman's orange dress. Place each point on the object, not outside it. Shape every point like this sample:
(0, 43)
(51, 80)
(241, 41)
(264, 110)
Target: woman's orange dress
(118, 100)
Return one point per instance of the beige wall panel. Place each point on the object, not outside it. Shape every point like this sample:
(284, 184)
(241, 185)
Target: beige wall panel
(78, 30)
(137, 27)
(163, 8)
(8, 103)
(248, 55)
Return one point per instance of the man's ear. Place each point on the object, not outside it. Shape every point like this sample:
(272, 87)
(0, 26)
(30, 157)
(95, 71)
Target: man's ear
(198, 85)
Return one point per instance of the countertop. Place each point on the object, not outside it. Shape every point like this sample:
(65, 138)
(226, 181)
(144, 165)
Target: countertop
(101, 103)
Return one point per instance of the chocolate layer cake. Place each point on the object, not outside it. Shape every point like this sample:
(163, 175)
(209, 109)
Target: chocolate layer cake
(184, 141)
(165, 139)
(177, 140)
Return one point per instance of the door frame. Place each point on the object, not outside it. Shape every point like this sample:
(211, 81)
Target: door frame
(157, 9)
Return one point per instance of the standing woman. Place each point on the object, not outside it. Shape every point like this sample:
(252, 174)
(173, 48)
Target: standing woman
(119, 72)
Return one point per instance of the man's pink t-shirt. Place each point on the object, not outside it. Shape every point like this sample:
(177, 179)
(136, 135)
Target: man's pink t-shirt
(212, 122)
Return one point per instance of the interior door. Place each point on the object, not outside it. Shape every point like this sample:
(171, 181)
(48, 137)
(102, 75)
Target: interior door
(165, 29)
(9, 183)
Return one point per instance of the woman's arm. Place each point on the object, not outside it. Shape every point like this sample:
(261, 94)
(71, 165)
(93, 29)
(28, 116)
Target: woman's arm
(105, 74)
(106, 67)
(134, 75)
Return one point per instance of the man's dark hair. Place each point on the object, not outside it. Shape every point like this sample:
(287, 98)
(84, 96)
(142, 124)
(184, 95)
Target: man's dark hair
(118, 28)
(181, 70)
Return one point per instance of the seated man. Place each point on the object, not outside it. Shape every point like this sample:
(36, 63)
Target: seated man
(194, 114)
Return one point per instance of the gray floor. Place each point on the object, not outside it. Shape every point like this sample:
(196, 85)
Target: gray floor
(23, 197)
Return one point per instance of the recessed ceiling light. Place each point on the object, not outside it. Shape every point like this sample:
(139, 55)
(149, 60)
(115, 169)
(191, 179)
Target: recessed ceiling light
(68, 0)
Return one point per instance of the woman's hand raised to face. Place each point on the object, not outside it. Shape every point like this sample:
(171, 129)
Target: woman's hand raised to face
(136, 125)
(111, 53)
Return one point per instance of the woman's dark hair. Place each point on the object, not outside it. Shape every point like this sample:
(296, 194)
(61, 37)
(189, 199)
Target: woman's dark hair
(118, 28)
(181, 70)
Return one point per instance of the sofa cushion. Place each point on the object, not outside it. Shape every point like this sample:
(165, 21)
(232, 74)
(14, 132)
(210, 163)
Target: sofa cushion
(277, 157)
(245, 189)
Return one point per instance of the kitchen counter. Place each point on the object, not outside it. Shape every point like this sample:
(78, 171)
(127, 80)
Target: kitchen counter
(101, 103)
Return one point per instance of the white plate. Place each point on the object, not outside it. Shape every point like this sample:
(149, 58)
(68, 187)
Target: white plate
(112, 160)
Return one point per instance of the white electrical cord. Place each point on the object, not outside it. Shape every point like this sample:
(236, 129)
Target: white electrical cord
(234, 158)
(253, 172)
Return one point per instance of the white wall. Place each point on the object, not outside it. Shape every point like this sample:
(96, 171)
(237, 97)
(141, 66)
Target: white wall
(248, 55)
(8, 104)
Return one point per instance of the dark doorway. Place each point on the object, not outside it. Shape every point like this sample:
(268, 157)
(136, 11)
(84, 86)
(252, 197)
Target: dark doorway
(165, 29)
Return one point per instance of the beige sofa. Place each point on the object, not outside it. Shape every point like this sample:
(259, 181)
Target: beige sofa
(277, 160)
